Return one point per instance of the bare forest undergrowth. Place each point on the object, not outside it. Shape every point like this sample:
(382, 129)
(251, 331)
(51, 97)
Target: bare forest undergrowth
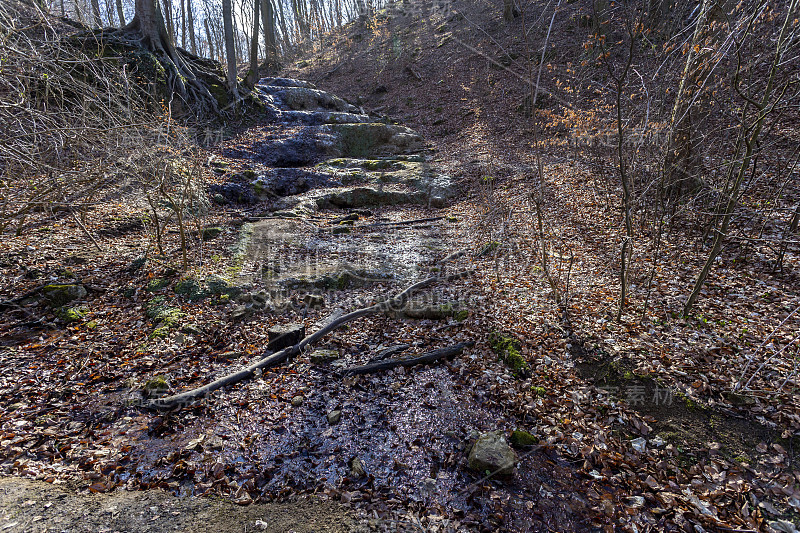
(182, 263)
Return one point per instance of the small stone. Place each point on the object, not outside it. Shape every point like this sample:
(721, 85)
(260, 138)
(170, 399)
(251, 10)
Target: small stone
(192, 329)
(357, 468)
(634, 502)
(492, 455)
(241, 311)
(314, 301)
(281, 337)
(297, 401)
(320, 356)
(334, 417)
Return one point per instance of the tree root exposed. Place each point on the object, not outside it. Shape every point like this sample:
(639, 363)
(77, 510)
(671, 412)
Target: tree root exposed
(184, 75)
(428, 357)
(397, 302)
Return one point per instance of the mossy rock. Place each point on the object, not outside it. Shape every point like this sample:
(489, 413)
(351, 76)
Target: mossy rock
(58, 295)
(70, 314)
(156, 284)
(163, 314)
(219, 92)
(370, 197)
(128, 292)
(191, 289)
(137, 264)
(521, 438)
(210, 233)
(219, 287)
(508, 348)
(341, 230)
(155, 387)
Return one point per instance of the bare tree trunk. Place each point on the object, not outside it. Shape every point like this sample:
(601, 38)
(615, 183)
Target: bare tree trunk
(230, 45)
(79, 11)
(98, 21)
(209, 38)
(183, 24)
(120, 13)
(270, 41)
(190, 20)
(169, 22)
(282, 22)
(252, 74)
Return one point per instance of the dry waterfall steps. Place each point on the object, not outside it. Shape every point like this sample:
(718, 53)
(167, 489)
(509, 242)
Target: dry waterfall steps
(335, 190)
(343, 210)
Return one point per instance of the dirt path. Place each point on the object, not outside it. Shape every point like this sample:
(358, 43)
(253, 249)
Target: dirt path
(36, 506)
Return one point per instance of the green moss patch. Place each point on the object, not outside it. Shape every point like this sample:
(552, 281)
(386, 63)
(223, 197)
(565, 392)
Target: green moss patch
(156, 284)
(508, 348)
(521, 438)
(70, 314)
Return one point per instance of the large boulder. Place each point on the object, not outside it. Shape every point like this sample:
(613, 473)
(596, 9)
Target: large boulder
(491, 454)
(281, 337)
(58, 295)
(359, 140)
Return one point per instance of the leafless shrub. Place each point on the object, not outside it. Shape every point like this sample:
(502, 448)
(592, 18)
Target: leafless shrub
(68, 122)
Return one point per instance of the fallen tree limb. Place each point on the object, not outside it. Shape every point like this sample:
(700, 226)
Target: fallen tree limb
(428, 357)
(397, 302)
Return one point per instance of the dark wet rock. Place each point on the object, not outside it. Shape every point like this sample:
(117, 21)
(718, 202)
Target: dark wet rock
(346, 279)
(281, 337)
(58, 295)
(364, 139)
(491, 454)
(234, 193)
(285, 148)
(334, 417)
(369, 197)
(291, 181)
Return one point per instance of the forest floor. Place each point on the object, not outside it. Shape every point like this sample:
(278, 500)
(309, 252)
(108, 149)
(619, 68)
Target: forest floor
(636, 422)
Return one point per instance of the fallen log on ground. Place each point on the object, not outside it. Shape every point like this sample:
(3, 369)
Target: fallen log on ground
(397, 302)
(428, 357)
